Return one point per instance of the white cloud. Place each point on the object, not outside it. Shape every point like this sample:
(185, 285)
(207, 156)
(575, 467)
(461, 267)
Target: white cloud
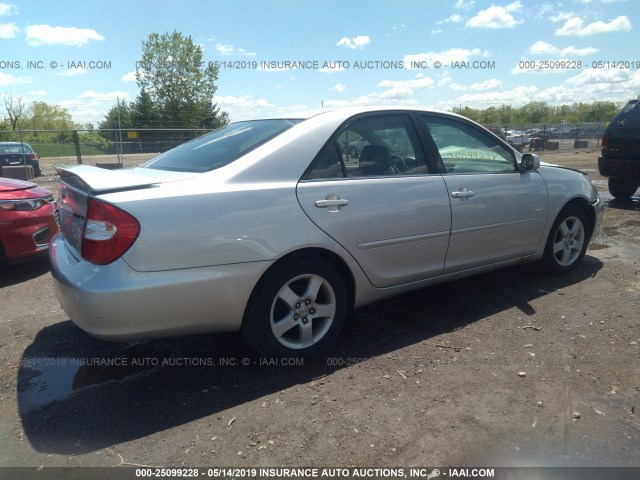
(129, 77)
(490, 84)
(575, 27)
(592, 76)
(38, 93)
(358, 42)
(7, 9)
(339, 87)
(226, 49)
(436, 32)
(544, 48)
(7, 79)
(463, 4)
(91, 105)
(516, 96)
(496, 17)
(8, 30)
(415, 83)
(560, 16)
(38, 35)
(455, 18)
(242, 101)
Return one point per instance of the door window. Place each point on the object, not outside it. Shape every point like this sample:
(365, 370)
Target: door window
(465, 149)
(380, 145)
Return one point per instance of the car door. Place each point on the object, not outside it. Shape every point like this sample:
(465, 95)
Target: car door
(497, 212)
(384, 207)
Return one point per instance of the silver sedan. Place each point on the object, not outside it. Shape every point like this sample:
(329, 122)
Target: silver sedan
(269, 227)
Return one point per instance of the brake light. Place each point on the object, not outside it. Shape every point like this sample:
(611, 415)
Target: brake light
(108, 232)
(32, 156)
(605, 140)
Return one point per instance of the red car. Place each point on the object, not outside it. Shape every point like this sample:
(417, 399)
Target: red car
(27, 219)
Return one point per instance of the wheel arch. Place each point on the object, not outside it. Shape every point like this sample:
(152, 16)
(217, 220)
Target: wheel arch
(315, 252)
(585, 206)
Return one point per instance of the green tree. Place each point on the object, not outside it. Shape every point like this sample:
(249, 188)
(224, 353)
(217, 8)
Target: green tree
(175, 80)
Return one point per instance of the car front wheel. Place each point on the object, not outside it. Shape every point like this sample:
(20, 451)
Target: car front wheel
(568, 241)
(297, 310)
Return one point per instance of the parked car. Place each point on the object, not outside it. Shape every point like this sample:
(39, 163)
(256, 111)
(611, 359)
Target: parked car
(263, 227)
(517, 138)
(620, 159)
(27, 220)
(17, 153)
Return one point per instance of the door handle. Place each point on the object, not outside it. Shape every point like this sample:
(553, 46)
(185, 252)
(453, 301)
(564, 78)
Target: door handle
(463, 193)
(333, 203)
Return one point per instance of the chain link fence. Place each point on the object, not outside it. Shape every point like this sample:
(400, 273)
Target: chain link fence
(543, 137)
(84, 143)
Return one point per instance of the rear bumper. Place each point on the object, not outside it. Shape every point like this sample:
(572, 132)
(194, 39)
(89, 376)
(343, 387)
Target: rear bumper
(619, 167)
(115, 302)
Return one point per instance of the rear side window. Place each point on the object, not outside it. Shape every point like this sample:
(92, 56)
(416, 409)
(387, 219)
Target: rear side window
(221, 147)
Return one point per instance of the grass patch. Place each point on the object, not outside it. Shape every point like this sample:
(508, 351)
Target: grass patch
(46, 150)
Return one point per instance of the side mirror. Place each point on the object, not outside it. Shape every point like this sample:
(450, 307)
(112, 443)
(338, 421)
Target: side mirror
(529, 162)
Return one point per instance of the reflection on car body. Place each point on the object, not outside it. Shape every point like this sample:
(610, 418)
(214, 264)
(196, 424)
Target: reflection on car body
(272, 228)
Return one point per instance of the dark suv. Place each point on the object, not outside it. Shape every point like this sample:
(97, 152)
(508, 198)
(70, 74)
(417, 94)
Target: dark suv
(620, 160)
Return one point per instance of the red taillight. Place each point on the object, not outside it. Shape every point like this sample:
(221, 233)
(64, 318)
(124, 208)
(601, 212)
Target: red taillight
(32, 156)
(108, 232)
(605, 140)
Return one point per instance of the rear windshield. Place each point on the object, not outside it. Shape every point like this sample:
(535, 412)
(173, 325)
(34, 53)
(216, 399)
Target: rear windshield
(221, 147)
(14, 148)
(629, 116)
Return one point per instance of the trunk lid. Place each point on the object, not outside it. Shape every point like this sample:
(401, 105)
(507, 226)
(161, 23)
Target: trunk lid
(80, 182)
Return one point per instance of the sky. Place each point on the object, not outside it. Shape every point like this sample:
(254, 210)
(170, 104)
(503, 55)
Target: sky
(281, 57)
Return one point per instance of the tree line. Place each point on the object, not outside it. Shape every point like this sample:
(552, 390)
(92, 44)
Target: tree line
(540, 113)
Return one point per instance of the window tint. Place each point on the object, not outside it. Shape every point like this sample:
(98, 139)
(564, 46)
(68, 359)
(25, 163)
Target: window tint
(380, 145)
(464, 149)
(219, 148)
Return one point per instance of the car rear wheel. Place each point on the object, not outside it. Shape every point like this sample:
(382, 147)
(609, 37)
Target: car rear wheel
(567, 242)
(296, 310)
(622, 189)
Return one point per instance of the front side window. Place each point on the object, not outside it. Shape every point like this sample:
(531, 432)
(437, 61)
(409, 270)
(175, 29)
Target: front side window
(380, 145)
(465, 149)
(219, 148)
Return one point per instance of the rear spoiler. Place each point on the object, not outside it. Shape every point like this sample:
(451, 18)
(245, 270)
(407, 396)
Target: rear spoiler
(99, 180)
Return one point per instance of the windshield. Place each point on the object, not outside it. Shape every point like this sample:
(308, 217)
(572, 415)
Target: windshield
(221, 147)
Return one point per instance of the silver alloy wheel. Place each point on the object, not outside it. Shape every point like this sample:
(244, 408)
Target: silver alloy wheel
(568, 241)
(303, 311)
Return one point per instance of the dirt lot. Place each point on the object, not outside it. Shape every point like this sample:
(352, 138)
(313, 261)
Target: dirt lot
(431, 378)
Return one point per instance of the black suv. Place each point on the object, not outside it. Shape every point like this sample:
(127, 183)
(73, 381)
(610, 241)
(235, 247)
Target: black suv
(620, 160)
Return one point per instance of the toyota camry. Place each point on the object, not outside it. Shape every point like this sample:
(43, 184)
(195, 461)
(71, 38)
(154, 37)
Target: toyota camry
(272, 228)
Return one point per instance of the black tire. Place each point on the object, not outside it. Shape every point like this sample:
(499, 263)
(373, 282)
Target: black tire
(296, 310)
(622, 189)
(568, 241)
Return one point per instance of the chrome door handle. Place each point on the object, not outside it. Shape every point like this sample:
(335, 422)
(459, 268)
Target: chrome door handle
(462, 193)
(332, 203)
